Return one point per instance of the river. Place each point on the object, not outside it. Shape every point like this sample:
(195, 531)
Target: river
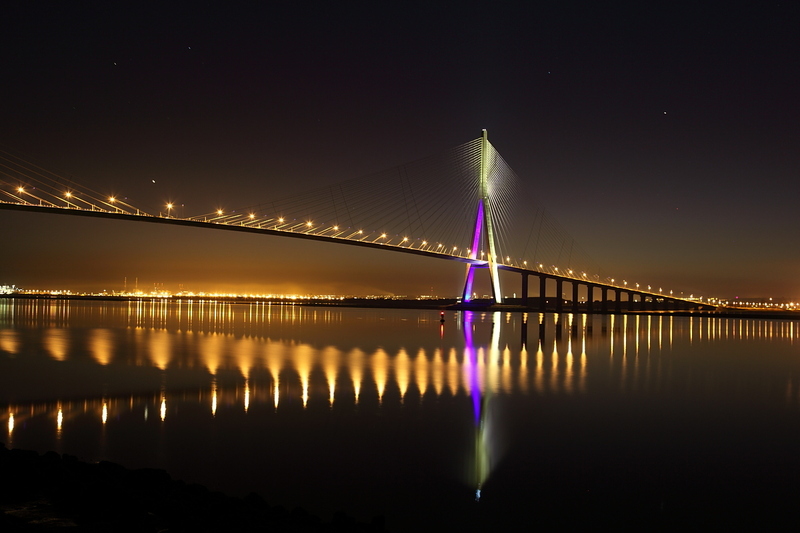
(479, 421)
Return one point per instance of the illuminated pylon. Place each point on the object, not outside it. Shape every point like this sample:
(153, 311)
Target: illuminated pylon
(484, 233)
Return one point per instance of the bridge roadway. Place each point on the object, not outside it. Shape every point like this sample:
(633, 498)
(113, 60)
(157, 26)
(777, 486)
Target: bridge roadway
(646, 300)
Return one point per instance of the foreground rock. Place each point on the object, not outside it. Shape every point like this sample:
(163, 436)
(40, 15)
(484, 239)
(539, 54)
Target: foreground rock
(50, 491)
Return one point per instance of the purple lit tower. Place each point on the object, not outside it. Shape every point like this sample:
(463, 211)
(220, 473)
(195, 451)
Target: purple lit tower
(484, 233)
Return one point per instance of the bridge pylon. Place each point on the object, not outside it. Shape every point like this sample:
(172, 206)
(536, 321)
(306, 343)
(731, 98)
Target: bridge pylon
(483, 236)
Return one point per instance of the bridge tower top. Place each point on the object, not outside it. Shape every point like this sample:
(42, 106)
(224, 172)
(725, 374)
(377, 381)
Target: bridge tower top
(484, 228)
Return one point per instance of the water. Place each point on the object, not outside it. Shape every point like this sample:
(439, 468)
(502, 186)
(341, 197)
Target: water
(487, 420)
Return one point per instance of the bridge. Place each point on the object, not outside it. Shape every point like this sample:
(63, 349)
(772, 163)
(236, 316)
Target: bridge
(465, 204)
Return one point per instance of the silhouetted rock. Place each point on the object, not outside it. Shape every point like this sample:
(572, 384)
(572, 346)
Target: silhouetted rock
(47, 491)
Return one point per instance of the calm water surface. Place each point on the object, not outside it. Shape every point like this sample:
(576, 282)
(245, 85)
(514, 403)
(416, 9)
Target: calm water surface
(488, 420)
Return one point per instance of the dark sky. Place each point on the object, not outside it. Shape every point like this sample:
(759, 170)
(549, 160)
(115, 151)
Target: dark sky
(662, 135)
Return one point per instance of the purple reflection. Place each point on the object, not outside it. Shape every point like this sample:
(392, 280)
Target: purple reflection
(471, 364)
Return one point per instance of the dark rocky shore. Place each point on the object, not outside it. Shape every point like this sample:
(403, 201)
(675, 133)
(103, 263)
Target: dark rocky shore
(51, 491)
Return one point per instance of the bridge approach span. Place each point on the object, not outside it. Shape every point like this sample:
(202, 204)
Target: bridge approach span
(544, 303)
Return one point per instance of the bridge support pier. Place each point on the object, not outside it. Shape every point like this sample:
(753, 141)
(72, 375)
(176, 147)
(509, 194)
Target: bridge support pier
(524, 288)
(559, 297)
(542, 294)
(575, 286)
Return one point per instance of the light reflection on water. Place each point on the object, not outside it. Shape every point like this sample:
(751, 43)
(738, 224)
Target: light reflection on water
(94, 371)
(222, 336)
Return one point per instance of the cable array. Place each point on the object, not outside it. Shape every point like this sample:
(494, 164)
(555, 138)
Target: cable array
(24, 182)
(429, 204)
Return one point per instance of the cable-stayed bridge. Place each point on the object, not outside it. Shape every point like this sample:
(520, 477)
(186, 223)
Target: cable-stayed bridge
(465, 204)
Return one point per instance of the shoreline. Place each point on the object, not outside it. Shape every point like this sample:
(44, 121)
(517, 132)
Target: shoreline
(438, 304)
(47, 491)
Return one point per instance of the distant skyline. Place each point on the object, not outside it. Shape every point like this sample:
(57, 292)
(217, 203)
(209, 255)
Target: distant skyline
(663, 137)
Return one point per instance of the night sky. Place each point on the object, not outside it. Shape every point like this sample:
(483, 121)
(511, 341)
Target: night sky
(662, 135)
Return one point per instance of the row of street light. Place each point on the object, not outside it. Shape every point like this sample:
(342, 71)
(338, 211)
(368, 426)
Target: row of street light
(73, 201)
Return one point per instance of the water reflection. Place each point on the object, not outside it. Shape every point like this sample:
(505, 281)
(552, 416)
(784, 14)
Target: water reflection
(474, 369)
(91, 364)
(217, 336)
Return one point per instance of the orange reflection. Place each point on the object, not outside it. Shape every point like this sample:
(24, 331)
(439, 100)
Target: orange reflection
(438, 371)
(56, 342)
(380, 370)
(421, 372)
(356, 358)
(210, 347)
(9, 341)
(214, 397)
(451, 367)
(330, 365)
(523, 369)
(303, 357)
(539, 372)
(402, 372)
(160, 347)
(101, 343)
(274, 358)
